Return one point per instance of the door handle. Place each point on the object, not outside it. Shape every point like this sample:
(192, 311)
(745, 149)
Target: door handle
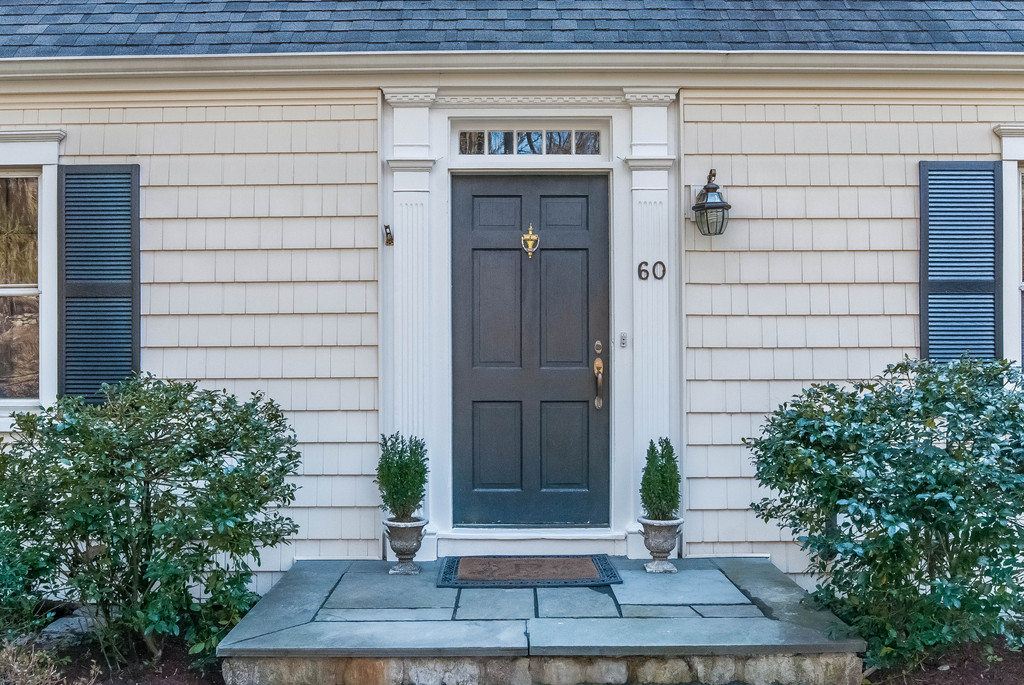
(599, 375)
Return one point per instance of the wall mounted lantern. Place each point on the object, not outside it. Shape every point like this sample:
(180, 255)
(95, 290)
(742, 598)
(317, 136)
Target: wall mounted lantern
(711, 211)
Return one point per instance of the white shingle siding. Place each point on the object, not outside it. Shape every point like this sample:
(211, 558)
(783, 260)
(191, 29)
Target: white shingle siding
(260, 236)
(814, 280)
(259, 273)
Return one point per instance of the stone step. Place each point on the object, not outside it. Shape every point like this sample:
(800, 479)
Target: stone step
(715, 622)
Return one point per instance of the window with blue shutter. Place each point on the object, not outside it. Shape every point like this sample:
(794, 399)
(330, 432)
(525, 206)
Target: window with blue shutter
(961, 246)
(98, 225)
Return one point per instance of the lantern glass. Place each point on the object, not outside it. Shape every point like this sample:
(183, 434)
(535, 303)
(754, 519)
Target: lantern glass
(712, 221)
(711, 212)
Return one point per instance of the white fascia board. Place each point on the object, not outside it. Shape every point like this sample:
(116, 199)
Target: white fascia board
(561, 61)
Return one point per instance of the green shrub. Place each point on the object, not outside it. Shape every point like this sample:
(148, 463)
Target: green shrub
(659, 485)
(402, 475)
(138, 505)
(907, 493)
(27, 577)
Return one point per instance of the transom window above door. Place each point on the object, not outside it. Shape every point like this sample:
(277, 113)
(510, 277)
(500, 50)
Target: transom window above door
(562, 141)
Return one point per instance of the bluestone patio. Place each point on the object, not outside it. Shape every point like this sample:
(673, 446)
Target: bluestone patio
(716, 621)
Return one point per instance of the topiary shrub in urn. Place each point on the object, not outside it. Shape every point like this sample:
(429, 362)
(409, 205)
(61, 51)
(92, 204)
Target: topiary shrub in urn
(402, 480)
(659, 495)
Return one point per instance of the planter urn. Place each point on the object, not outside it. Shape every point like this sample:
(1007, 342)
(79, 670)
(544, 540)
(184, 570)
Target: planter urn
(405, 538)
(660, 538)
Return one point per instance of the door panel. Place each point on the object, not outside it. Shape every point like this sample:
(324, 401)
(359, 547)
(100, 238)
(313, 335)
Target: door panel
(497, 445)
(564, 438)
(529, 445)
(497, 304)
(564, 330)
(563, 213)
(496, 213)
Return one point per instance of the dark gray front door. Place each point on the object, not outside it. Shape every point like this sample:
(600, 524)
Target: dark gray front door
(530, 446)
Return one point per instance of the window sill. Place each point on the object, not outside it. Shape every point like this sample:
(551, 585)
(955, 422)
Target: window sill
(7, 421)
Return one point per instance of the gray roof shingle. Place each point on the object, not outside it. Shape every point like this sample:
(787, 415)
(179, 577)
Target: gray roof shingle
(70, 28)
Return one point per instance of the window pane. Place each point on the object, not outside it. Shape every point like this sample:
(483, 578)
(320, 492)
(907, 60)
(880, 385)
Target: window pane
(530, 143)
(19, 347)
(588, 142)
(471, 142)
(500, 142)
(19, 210)
(559, 142)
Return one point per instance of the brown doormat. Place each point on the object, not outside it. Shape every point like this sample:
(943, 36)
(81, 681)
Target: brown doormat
(547, 571)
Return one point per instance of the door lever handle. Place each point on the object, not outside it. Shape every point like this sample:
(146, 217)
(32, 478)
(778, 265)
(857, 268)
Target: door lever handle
(599, 375)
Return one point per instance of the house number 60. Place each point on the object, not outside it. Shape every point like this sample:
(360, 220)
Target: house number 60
(658, 271)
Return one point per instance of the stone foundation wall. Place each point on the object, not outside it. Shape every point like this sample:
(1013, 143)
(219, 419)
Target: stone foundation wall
(768, 669)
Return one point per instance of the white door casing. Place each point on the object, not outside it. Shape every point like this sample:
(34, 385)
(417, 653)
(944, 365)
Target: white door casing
(420, 152)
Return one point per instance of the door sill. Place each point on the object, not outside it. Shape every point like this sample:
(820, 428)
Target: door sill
(487, 533)
(529, 541)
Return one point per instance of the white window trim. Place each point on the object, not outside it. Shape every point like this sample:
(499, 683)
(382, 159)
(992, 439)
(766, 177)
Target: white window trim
(35, 153)
(1012, 136)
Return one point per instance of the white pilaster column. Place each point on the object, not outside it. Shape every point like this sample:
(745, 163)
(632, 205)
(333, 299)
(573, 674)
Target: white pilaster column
(1012, 136)
(406, 345)
(656, 354)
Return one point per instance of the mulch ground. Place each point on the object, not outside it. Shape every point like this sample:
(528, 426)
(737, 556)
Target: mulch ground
(968, 665)
(173, 669)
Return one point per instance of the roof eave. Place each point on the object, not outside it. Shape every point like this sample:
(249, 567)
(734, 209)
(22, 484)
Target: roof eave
(851, 61)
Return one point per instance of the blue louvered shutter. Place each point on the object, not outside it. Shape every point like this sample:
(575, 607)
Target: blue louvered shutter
(961, 248)
(99, 276)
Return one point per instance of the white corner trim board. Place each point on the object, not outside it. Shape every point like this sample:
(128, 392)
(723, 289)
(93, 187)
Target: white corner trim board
(1012, 136)
(1013, 234)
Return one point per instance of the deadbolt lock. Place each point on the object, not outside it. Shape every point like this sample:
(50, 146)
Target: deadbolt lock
(598, 347)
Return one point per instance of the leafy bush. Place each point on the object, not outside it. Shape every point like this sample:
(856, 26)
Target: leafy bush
(402, 475)
(659, 485)
(135, 505)
(27, 577)
(907, 492)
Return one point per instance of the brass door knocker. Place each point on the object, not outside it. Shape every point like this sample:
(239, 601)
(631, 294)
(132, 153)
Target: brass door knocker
(530, 242)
